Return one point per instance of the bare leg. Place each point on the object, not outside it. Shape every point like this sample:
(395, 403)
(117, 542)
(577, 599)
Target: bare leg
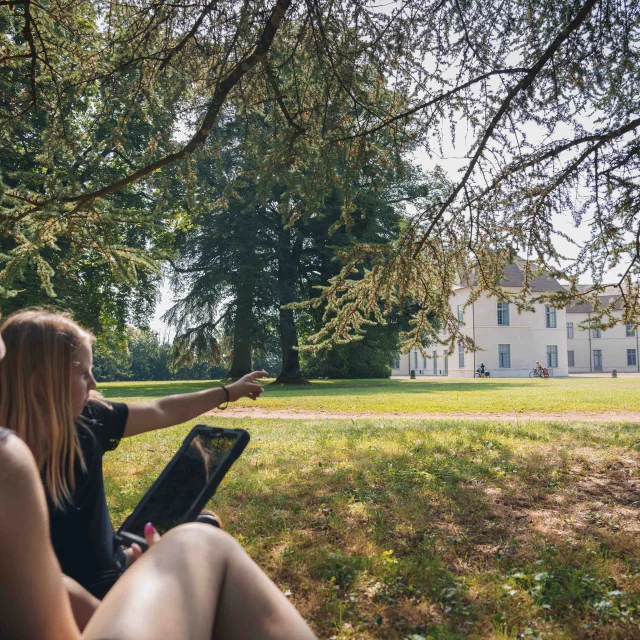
(83, 604)
(196, 583)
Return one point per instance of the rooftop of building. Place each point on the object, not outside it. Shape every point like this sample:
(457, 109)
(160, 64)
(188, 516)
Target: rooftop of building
(513, 276)
(587, 307)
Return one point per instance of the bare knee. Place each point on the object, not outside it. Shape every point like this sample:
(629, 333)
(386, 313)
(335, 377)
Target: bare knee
(201, 537)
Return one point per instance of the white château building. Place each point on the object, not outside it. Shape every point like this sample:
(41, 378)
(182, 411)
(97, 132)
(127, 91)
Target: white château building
(511, 343)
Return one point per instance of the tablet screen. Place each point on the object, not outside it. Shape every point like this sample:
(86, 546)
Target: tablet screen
(183, 483)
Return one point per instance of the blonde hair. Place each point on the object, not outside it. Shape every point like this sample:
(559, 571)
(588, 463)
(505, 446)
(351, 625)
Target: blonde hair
(35, 393)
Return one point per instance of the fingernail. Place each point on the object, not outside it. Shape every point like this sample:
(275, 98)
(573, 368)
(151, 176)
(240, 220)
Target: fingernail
(149, 528)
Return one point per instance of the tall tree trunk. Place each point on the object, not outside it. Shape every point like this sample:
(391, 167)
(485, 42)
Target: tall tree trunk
(288, 259)
(243, 327)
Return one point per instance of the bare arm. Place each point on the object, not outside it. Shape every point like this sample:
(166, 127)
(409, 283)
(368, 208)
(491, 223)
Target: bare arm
(172, 410)
(33, 601)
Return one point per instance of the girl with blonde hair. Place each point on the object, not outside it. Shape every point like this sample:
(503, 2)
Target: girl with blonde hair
(47, 397)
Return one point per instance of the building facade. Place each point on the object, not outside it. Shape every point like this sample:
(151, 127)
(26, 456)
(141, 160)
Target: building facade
(594, 351)
(435, 364)
(511, 343)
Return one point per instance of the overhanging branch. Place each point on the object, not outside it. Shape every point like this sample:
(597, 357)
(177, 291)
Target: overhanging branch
(524, 83)
(429, 103)
(192, 32)
(223, 88)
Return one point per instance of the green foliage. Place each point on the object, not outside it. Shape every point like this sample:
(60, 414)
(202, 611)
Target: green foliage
(99, 262)
(377, 217)
(370, 357)
(87, 289)
(148, 356)
(223, 270)
(111, 360)
(140, 355)
(231, 261)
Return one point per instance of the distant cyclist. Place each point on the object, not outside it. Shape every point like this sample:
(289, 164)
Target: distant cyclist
(539, 371)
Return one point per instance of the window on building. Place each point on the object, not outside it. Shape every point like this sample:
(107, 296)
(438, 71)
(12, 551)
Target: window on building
(550, 316)
(504, 356)
(632, 358)
(595, 333)
(415, 359)
(631, 332)
(569, 330)
(424, 362)
(503, 314)
(552, 356)
(571, 358)
(397, 362)
(460, 315)
(461, 356)
(435, 362)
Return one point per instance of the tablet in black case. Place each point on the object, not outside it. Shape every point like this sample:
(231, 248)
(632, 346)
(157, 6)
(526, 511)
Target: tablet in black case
(187, 483)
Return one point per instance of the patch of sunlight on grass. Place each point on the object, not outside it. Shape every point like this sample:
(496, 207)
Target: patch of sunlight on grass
(515, 395)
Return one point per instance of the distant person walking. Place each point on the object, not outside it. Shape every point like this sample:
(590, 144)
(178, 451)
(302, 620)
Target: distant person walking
(482, 371)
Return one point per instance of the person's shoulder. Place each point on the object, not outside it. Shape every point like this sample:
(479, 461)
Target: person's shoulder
(95, 405)
(106, 421)
(14, 453)
(98, 408)
(18, 471)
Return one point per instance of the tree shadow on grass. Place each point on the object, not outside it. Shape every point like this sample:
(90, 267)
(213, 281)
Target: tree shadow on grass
(442, 529)
(434, 538)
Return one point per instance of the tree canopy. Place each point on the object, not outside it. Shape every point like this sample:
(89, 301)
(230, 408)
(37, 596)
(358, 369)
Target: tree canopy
(542, 98)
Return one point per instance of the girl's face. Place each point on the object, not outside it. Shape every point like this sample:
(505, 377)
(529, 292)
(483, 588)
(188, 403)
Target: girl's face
(82, 380)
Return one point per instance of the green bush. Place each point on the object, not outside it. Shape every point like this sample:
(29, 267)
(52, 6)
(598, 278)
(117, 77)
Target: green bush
(370, 357)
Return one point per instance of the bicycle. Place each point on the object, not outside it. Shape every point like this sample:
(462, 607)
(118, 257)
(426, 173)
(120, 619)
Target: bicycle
(543, 373)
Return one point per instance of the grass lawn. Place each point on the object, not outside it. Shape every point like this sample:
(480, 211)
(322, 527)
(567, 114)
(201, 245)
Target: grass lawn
(444, 395)
(429, 529)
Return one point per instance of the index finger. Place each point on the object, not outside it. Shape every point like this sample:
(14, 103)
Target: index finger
(259, 374)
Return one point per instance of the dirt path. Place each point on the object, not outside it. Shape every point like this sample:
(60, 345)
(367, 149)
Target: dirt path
(290, 414)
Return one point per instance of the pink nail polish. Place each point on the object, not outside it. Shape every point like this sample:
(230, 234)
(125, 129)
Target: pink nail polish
(149, 529)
